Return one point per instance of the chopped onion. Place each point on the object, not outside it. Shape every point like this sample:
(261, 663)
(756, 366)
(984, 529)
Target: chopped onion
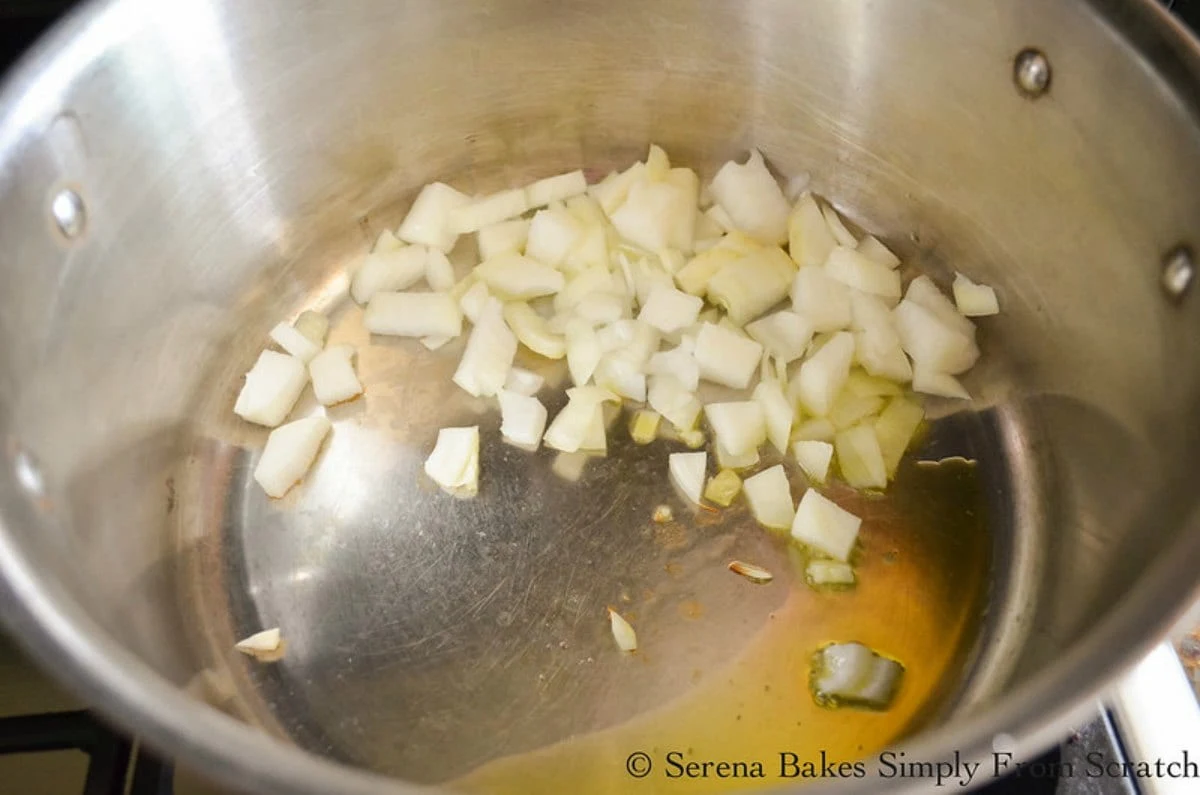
(750, 286)
(770, 498)
(573, 429)
(940, 384)
(636, 341)
(829, 572)
(837, 228)
(428, 221)
(594, 439)
(933, 345)
(387, 242)
(809, 238)
(313, 325)
(289, 453)
(752, 198)
(723, 488)
(814, 458)
(553, 234)
(851, 673)
(726, 357)
(823, 525)
(473, 300)
(483, 369)
(439, 273)
(850, 409)
(612, 191)
(601, 308)
(824, 373)
(853, 269)
(555, 189)
(871, 248)
(777, 411)
(784, 335)
(333, 377)
(860, 459)
(294, 342)
(864, 385)
(532, 331)
(923, 292)
(876, 343)
(679, 363)
(694, 276)
(643, 428)
(727, 460)
(503, 238)
(622, 376)
(388, 271)
(755, 574)
(670, 310)
(657, 215)
(582, 285)
(817, 429)
(475, 215)
(435, 343)
(687, 473)
(974, 300)
(622, 632)
(523, 382)
(454, 462)
(677, 404)
(271, 389)
(739, 426)
(583, 352)
(895, 429)
(413, 315)
(522, 419)
(516, 277)
(263, 646)
(822, 301)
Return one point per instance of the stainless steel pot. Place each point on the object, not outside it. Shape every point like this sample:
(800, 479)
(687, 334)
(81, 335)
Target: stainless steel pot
(177, 177)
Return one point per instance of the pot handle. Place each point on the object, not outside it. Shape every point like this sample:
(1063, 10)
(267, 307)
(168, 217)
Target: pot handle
(1158, 720)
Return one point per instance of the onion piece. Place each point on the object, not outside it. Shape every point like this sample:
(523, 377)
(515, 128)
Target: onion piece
(555, 189)
(643, 428)
(784, 335)
(289, 454)
(522, 419)
(266, 646)
(602, 308)
(532, 331)
(851, 673)
(694, 276)
(677, 404)
(583, 351)
(474, 300)
(483, 369)
(679, 363)
(553, 234)
(670, 310)
(895, 429)
(656, 215)
(503, 238)
(413, 315)
(516, 277)
(435, 343)
(829, 572)
(823, 374)
(622, 376)
(748, 287)
(821, 300)
(313, 325)
(838, 228)
(850, 409)
(687, 473)
(723, 488)
(727, 460)
(823, 525)
(814, 458)
(777, 411)
(944, 385)
(622, 632)
(428, 221)
(523, 382)
(933, 345)
(612, 191)
(974, 300)
(770, 498)
(817, 429)
(582, 285)
(388, 271)
(439, 273)
(294, 342)
(740, 426)
(271, 389)
(387, 242)
(871, 248)
(475, 215)
(853, 269)
(333, 377)
(860, 459)
(750, 195)
(863, 384)
(454, 462)
(809, 238)
(923, 292)
(573, 429)
(725, 357)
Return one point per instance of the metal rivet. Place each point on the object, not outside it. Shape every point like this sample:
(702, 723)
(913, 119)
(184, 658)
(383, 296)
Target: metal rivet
(1178, 272)
(70, 214)
(1031, 73)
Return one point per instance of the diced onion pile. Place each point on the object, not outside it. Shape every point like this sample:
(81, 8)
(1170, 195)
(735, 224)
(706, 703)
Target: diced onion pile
(646, 288)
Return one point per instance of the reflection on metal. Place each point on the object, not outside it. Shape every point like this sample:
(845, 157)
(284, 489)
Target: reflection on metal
(1031, 73)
